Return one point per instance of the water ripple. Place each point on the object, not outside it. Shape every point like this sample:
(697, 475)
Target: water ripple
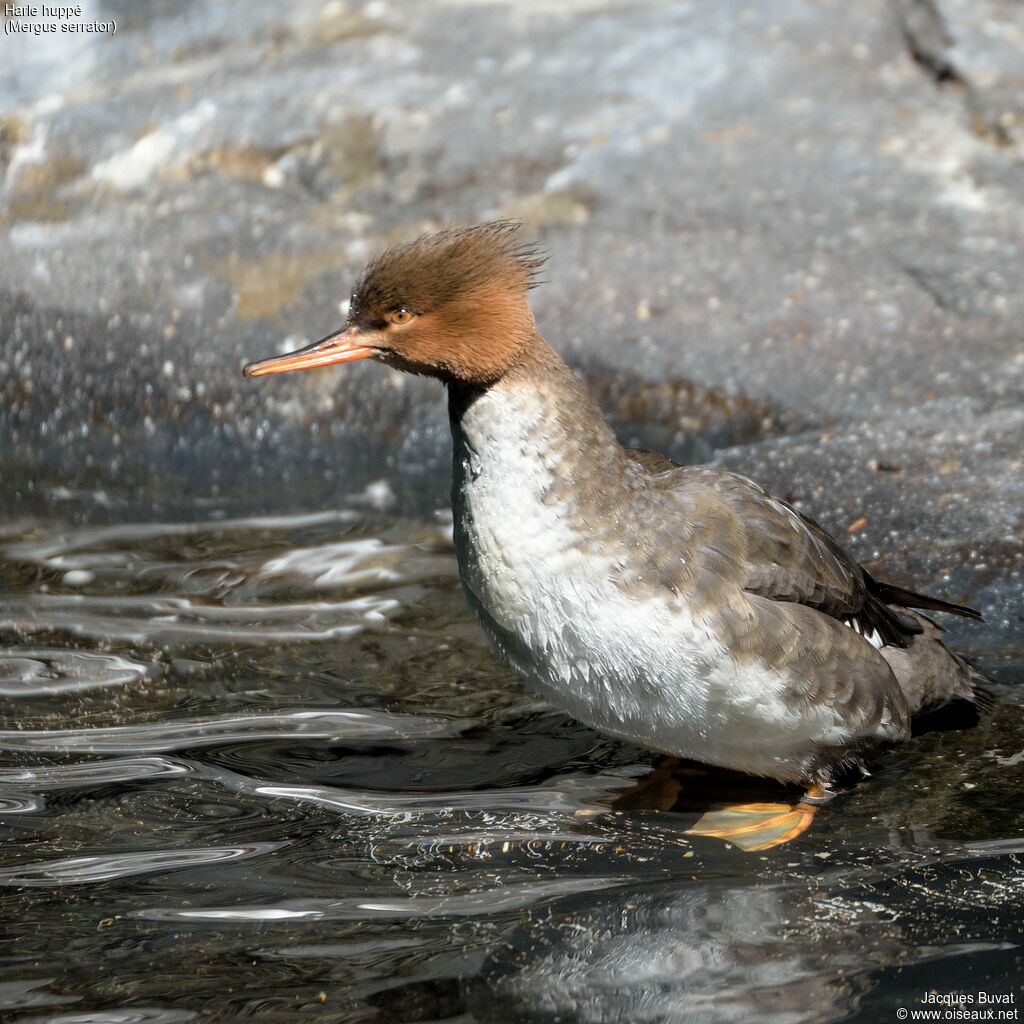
(128, 1015)
(358, 562)
(174, 620)
(341, 950)
(34, 671)
(13, 801)
(105, 867)
(183, 733)
(568, 794)
(481, 903)
(238, 559)
(31, 994)
(93, 773)
(104, 548)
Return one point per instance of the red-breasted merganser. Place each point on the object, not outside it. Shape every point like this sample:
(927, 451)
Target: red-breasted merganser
(680, 608)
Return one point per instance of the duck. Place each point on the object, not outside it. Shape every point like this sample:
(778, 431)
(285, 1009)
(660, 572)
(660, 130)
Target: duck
(681, 608)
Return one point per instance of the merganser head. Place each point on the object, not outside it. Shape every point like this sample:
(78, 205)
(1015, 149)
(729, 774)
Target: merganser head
(451, 304)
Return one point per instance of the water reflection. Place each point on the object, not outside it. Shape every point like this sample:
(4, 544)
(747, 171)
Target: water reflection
(780, 952)
(268, 768)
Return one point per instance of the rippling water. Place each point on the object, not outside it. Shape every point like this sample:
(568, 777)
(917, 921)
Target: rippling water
(266, 768)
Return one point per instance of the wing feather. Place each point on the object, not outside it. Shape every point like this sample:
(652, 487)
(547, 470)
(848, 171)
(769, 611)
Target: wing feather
(785, 556)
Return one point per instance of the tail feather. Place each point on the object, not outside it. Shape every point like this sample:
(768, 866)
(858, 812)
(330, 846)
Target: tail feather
(889, 593)
(931, 675)
(984, 699)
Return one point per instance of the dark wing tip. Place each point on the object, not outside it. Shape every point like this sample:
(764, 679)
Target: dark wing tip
(889, 593)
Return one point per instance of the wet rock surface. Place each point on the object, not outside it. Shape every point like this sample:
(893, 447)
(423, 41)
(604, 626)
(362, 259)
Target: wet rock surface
(782, 204)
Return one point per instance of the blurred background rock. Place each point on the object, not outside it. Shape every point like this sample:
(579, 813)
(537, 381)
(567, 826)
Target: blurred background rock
(786, 237)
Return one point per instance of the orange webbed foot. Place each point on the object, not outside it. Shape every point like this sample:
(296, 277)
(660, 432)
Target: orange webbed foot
(761, 826)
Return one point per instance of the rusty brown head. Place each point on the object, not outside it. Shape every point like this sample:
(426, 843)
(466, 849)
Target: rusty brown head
(452, 304)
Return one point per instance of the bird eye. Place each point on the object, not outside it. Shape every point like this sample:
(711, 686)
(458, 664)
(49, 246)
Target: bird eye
(399, 316)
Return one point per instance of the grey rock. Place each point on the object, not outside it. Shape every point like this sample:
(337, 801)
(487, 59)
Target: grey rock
(978, 50)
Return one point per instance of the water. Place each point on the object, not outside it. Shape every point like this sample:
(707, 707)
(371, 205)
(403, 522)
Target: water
(266, 768)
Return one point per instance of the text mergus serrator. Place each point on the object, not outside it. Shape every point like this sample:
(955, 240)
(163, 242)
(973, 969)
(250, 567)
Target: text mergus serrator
(681, 608)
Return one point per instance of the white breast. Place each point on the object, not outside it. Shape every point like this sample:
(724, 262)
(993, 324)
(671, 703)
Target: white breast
(557, 613)
(642, 668)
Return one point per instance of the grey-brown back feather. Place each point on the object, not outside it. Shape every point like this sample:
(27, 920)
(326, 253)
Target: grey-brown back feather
(790, 557)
